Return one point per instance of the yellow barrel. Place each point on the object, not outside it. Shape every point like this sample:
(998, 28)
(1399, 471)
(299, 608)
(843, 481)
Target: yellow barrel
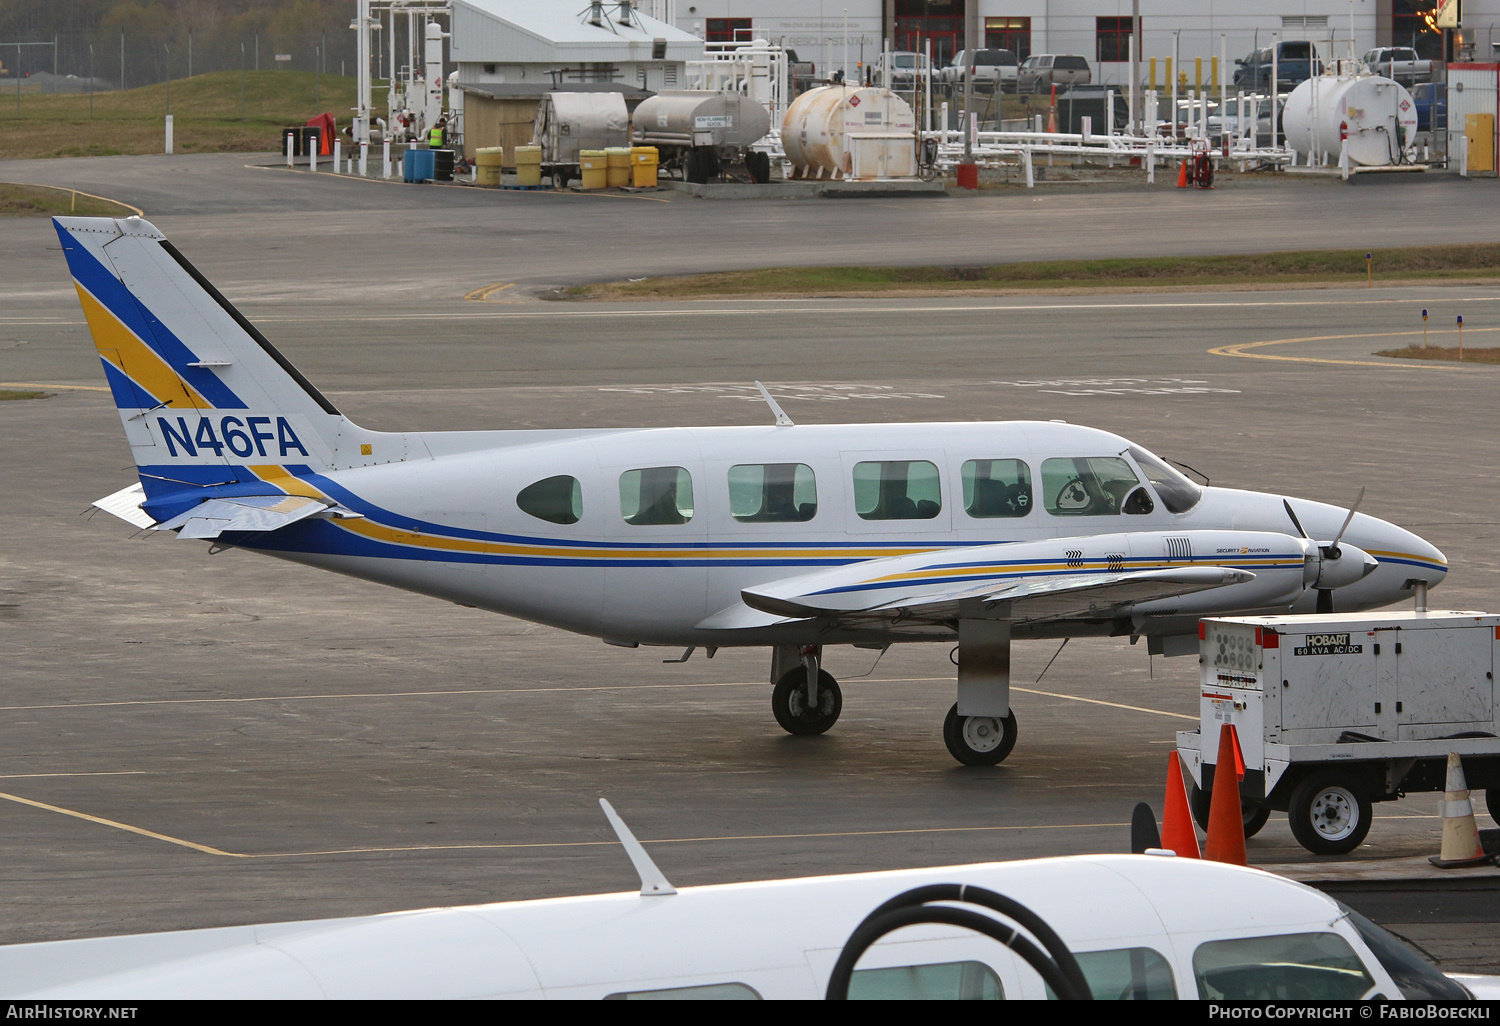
(528, 165)
(617, 159)
(594, 168)
(487, 162)
(643, 161)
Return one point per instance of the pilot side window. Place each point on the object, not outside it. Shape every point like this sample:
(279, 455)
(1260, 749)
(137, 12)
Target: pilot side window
(656, 496)
(948, 981)
(1092, 486)
(997, 488)
(772, 493)
(897, 490)
(557, 500)
(1295, 967)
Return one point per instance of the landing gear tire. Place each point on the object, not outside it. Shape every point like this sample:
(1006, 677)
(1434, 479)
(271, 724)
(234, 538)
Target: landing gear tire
(1329, 813)
(789, 703)
(979, 740)
(1254, 814)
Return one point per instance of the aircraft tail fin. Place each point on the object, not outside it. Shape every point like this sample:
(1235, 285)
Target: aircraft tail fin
(206, 400)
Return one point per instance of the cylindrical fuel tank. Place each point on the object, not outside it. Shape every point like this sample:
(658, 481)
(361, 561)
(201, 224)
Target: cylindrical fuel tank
(1377, 113)
(690, 117)
(818, 125)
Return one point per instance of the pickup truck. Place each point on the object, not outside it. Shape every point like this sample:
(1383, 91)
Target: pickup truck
(1398, 62)
(1296, 61)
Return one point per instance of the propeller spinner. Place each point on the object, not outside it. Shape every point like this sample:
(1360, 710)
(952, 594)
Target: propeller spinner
(1337, 565)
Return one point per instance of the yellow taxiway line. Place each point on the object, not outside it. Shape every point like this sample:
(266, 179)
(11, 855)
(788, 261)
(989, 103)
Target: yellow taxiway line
(1241, 349)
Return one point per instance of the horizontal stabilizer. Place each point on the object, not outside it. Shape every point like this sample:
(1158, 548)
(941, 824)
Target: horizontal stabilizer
(126, 504)
(247, 513)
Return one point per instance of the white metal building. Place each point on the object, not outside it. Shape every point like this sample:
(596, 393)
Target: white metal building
(557, 42)
(1097, 29)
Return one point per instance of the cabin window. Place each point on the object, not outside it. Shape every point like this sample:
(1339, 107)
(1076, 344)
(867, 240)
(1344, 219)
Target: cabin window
(1177, 493)
(1087, 486)
(897, 490)
(705, 992)
(1126, 974)
(947, 981)
(557, 500)
(997, 488)
(772, 493)
(1296, 966)
(656, 496)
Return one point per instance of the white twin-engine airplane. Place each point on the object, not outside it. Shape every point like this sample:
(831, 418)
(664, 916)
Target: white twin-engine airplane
(783, 536)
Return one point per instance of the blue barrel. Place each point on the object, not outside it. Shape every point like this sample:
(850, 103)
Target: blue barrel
(418, 165)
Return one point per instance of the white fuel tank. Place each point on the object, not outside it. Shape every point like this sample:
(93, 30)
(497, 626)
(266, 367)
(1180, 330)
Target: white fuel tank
(852, 132)
(1377, 113)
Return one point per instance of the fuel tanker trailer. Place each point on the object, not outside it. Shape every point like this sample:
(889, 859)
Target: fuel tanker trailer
(702, 133)
(845, 131)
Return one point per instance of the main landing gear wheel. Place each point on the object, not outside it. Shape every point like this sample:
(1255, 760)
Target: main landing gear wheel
(1253, 814)
(793, 712)
(979, 740)
(1329, 813)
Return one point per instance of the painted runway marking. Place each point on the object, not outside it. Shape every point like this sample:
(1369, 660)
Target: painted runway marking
(72, 388)
(839, 308)
(531, 691)
(101, 773)
(119, 826)
(809, 393)
(1239, 349)
(1120, 386)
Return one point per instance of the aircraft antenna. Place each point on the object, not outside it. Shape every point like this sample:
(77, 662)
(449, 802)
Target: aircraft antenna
(653, 881)
(782, 420)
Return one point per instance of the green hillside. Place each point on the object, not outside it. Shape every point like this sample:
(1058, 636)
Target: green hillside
(206, 115)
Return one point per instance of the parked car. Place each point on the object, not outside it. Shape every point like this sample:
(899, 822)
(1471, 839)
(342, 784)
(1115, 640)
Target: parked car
(1398, 62)
(1296, 61)
(1431, 99)
(1261, 116)
(908, 70)
(993, 69)
(1041, 71)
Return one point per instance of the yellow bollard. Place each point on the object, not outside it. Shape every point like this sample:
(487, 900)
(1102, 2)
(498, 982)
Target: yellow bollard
(1198, 73)
(1153, 73)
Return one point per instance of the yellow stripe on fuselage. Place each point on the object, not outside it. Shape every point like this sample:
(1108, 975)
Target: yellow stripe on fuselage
(136, 360)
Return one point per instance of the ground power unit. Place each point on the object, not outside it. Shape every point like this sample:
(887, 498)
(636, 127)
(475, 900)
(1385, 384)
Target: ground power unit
(1337, 711)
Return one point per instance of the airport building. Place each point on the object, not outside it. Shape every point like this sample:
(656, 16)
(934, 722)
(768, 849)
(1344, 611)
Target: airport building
(825, 32)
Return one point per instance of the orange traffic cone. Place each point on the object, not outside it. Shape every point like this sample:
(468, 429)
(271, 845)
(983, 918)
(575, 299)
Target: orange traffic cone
(1177, 833)
(1182, 175)
(1226, 823)
(1461, 845)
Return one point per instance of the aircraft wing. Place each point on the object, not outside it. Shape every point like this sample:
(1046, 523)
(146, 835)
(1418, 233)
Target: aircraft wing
(1061, 579)
(211, 518)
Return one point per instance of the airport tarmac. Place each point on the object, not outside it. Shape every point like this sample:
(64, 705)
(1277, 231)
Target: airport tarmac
(196, 740)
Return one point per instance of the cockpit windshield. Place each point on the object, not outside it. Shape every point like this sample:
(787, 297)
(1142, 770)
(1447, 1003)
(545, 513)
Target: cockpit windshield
(1177, 493)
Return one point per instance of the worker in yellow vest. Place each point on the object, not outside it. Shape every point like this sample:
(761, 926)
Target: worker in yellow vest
(436, 133)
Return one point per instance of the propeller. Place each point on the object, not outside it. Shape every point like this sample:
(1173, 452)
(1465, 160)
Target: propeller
(1331, 553)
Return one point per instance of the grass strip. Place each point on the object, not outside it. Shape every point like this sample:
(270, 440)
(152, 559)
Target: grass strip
(1471, 354)
(44, 201)
(207, 116)
(1309, 266)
